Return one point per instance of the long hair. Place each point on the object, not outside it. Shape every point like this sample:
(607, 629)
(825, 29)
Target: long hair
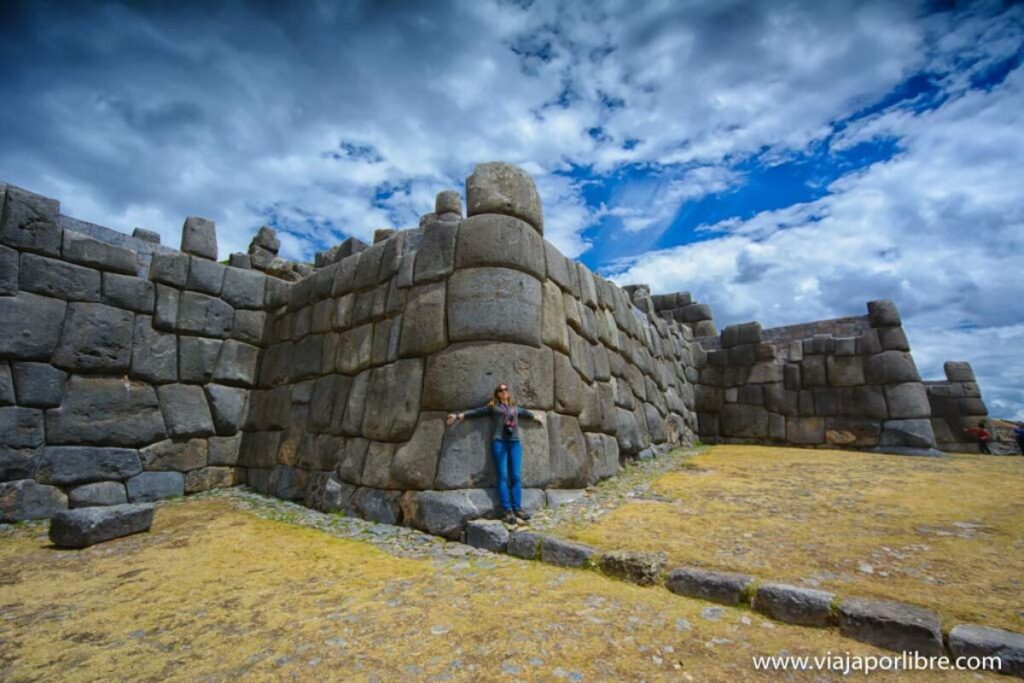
(494, 396)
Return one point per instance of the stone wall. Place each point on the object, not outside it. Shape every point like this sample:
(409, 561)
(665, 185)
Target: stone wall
(955, 405)
(125, 366)
(804, 385)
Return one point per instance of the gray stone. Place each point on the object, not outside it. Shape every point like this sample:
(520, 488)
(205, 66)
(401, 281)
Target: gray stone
(494, 304)
(383, 507)
(227, 405)
(603, 453)
(146, 235)
(498, 187)
(890, 367)
(154, 353)
(236, 363)
(377, 465)
(149, 487)
(38, 385)
(845, 371)
(308, 359)
(524, 544)
(106, 411)
(277, 294)
(355, 407)
(185, 410)
(503, 241)
(805, 430)
(907, 400)
(96, 337)
(794, 605)
(908, 433)
(260, 258)
(21, 427)
(746, 421)
(352, 460)
(128, 291)
(436, 256)
(8, 271)
(178, 456)
(564, 553)
(448, 201)
(958, 371)
(248, 326)
(97, 494)
(327, 493)
(445, 513)
(33, 323)
(223, 450)
(29, 222)
(26, 499)
(487, 534)
(198, 358)
(643, 569)
(87, 251)
(165, 317)
(84, 527)
(203, 314)
(893, 338)
(169, 268)
(368, 268)
(891, 625)
(423, 327)
(970, 640)
(414, 465)
(883, 313)
(199, 237)
(205, 276)
(852, 433)
(240, 260)
(244, 288)
(52, 277)
(267, 238)
(568, 392)
(465, 460)
(568, 459)
(725, 588)
(66, 465)
(627, 432)
(464, 375)
(207, 478)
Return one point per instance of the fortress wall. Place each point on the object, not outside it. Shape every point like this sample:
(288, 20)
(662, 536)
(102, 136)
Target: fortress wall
(125, 366)
(804, 385)
(956, 404)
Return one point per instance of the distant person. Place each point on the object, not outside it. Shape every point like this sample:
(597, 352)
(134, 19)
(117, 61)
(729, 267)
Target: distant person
(982, 434)
(1018, 433)
(506, 449)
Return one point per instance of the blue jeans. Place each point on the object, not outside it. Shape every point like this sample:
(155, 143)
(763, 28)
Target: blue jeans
(508, 461)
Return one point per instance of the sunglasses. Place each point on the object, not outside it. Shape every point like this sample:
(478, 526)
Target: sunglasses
(502, 389)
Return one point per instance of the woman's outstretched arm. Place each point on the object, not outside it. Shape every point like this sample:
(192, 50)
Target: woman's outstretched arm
(475, 412)
(530, 415)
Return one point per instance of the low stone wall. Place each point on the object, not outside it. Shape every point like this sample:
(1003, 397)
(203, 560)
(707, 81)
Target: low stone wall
(956, 404)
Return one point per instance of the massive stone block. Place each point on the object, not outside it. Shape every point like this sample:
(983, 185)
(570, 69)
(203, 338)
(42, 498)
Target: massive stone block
(890, 367)
(176, 456)
(227, 407)
(445, 513)
(236, 363)
(64, 465)
(30, 222)
(21, 427)
(87, 526)
(205, 276)
(199, 237)
(169, 268)
(106, 411)
(423, 326)
(26, 499)
(38, 385)
(8, 271)
(203, 314)
(568, 457)
(504, 241)
(96, 337)
(126, 291)
(494, 304)
(244, 288)
(87, 251)
(745, 421)
(568, 392)
(31, 324)
(59, 279)
(464, 376)
(185, 410)
(845, 371)
(497, 187)
(198, 358)
(883, 313)
(394, 394)
(603, 453)
(907, 400)
(436, 256)
(907, 434)
(414, 465)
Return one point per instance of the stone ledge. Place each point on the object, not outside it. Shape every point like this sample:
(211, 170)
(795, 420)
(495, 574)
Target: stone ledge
(725, 588)
(891, 625)
(84, 527)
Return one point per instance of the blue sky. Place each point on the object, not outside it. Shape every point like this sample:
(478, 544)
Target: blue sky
(783, 161)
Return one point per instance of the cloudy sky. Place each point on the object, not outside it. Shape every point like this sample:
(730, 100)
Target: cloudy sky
(783, 161)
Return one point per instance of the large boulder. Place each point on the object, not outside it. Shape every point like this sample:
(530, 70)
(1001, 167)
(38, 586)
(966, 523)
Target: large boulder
(445, 513)
(494, 304)
(96, 337)
(106, 411)
(65, 465)
(33, 325)
(84, 527)
(185, 410)
(423, 326)
(414, 465)
(464, 376)
(498, 187)
(495, 240)
(199, 237)
(568, 456)
(394, 392)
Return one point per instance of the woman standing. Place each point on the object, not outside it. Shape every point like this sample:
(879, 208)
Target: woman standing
(506, 448)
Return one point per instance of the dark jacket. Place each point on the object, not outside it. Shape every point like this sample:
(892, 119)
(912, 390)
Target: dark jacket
(498, 420)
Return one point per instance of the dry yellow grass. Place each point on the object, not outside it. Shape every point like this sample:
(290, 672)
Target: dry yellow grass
(213, 593)
(946, 533)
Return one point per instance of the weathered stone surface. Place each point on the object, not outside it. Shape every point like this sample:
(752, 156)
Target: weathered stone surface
(445, 513)
(84, 527)
(805, 430)
(643, 569)
(423, 326)
(494, 304)
(414, 465)
(726, 588)
(845, 371)
(66, 465)
(504, 241)
(87, 251)
(96, 337)
(498, 187)
(890, 367)
(553, 323)
(813, 371)
(627, 432)
(327, 493)
(248, 326)
(240, 260)
(883, 313)
(165, 315)
(128, 291)
(488, 534)
(970, 640)
(198, 358)
(465, 459)
(227, 406)
(355, 349)
(26, 499)
(185, 410)
(436, 256)
(149, 487)
(30, 222)
(603, 453)
(98, 493)
(178, 456)
(33, 325)
(907, 433)
(169, 268)
(891, 625)
(38, 385)
(766, 371)
(377, 465)
(355, 407)
(266, 238)
(8, 271)
(223, 450)
(852, 433)
(746, 421)
(206, 478)
(59, 279)
(17, 463)
(568, 392)
(244, 288)
(907, 400)
(236, 363)
(376, 505)
(524, 544)
(199, 237)
(958, 371)
(394, 392)
(146, 235)
(106, 411)
(795, 605)
(464, 375)
(202, 314)
(564, 553)
(568, 458)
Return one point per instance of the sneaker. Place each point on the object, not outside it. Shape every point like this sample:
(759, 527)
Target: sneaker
(510, 518)
(523, 515)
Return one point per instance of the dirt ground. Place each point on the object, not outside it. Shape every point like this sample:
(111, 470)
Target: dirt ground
(946, 533)
(215, 593)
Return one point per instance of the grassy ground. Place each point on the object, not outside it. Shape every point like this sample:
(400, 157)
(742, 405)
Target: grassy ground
(214, 593)
(947, 533)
